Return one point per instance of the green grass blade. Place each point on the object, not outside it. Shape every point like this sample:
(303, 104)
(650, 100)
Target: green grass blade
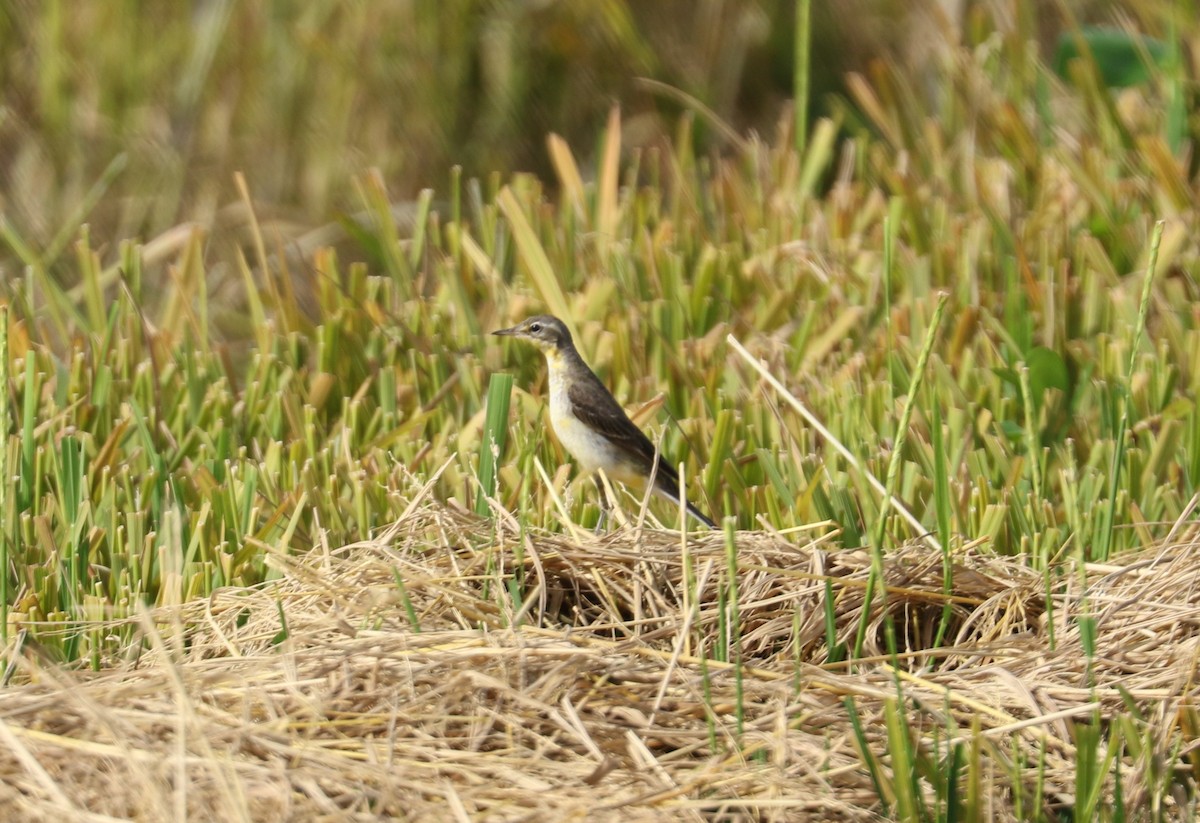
(1118, 459)
(495, 437)
(409, 610)
(734, 624)
(801, 69)
(5, 486)
(942, 507)
(903, 764)
(864, 750)
(28, 422)
(836, 650)
(877, 537)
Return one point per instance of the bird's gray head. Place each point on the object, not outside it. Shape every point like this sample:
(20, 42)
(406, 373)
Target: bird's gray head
(546, 332)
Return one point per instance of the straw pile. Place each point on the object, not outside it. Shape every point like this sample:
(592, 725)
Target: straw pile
(600, 705)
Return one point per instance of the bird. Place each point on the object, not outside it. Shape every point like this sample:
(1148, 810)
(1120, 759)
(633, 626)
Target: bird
(590, 423)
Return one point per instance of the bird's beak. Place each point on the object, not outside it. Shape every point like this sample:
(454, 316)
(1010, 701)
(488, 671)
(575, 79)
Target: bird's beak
(506, 332)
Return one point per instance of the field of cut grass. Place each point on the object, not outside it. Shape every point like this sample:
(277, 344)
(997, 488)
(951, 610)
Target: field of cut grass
(287, 536)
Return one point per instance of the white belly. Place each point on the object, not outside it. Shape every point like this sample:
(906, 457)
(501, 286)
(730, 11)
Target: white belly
(591, 450)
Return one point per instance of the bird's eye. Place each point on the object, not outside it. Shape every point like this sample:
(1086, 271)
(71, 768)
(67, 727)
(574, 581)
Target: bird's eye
(535, 327)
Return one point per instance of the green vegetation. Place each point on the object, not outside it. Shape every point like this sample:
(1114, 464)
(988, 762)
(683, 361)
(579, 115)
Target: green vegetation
(955, 323)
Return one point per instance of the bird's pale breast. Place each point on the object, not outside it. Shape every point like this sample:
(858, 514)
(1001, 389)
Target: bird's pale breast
(590, 448)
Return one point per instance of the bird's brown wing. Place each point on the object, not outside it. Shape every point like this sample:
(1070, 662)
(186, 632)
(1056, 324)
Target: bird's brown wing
(596, 408)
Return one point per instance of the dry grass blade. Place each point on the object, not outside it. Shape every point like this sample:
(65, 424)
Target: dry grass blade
(354, 716)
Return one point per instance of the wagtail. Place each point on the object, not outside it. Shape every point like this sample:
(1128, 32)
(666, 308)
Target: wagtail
(590, 423)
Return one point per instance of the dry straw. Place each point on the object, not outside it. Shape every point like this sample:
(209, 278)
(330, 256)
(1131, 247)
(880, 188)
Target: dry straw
(580, 711)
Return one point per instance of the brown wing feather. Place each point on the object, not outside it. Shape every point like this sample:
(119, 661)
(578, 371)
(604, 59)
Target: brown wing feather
(596, 408)
(592, 404)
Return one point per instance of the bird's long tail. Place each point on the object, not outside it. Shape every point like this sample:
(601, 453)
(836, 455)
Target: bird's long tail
(668, 487)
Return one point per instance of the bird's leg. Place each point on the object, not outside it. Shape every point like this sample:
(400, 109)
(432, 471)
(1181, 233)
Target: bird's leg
(605, 504)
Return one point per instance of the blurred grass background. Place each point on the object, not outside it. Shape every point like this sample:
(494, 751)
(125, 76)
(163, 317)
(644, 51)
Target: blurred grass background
(304, 97)
(134, 116)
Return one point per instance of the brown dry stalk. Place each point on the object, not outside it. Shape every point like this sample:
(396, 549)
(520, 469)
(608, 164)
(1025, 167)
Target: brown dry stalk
(581, 712)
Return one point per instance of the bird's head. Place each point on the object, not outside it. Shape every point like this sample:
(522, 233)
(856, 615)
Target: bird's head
(547, 333)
